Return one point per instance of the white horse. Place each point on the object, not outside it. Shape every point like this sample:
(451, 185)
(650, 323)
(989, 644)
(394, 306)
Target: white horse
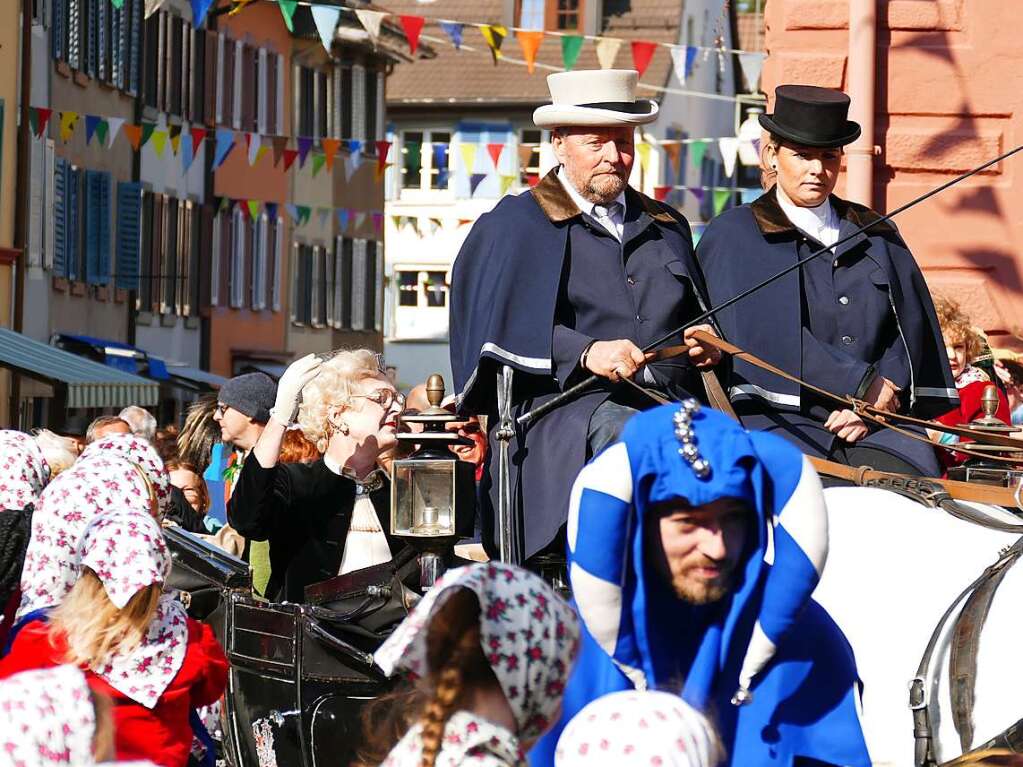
(894, 568)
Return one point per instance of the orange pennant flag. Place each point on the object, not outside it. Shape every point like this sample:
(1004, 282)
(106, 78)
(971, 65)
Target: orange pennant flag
(330, 147)
(134, 134)
(530, 41)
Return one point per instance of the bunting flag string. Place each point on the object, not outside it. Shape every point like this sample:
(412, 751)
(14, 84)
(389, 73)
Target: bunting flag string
(454, 31)
(413, 27)
(67, 125)
(494, 35)
(134, 135)
(571, 46)
(607, 51)
(642, 53)
(371, 21)
(529, 41)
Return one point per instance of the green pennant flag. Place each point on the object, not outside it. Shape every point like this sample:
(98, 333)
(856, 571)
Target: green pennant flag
(147, 132)
(101, 130)
(318, 161)
(413, 154)
(721, 198)
(253, 206)
(117, 3)
(697, 150)
(304, 211)
(288, 12)
(570, 47)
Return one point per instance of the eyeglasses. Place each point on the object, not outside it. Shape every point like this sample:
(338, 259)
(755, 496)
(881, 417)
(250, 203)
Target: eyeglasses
(220, 409)
(386, 398)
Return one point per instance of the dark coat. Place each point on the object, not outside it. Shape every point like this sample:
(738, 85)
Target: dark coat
(304, 511)
(534, 283)
(837, 322)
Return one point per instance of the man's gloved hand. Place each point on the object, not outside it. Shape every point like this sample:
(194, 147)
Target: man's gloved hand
(289, 388)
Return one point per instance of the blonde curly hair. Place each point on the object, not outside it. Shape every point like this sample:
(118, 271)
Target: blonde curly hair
(339, 378)
(956, 327)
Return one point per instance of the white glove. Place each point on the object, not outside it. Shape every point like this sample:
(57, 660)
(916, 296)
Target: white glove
(289, 387)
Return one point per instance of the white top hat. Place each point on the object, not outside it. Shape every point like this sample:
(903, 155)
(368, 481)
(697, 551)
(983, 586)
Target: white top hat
(597, 97)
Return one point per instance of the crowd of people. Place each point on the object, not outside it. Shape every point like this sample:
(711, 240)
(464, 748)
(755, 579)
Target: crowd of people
(694, 540)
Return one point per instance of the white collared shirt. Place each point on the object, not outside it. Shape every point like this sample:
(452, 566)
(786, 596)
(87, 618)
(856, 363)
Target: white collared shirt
(366, 544)
(820, 222)
(613, 223)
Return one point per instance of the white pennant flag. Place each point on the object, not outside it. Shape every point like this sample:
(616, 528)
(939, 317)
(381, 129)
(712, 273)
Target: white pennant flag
(152, 6)
(607, 50)
(113, 128)
(254, 141)
(371, 20)
(751, 64)
(678, 62)
(729, 151)
(325, 17)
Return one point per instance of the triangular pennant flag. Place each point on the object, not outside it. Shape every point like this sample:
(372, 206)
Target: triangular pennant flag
(198, 136)
(304, 144)
(678, 62)
(288, 12)
(289, 158)
(360, 219)
(494, 35)
(38, 117)
(474, 182)
(325, 17)
(225, 143)
(101, 131)
(383, 149)
(323, 214)
(91, 123)
(494, 150)
(661, 193)
(253, 206)
(607, 51)
(751, 65)
(354, 158)
(159, 140)
(642, 52)
(435, 224)
(463, 221)
(113, 128)
(454, 31)
(691, 51)
(118, 4)
(469, 157)
(506, 183)
(570, 47)
(67, 125)
(152, 6)
(280, 143)
(199, 10)
(697, 193)
(371, 20)
(262, 151)
(187, 155)
(525, 155)
(697, 150)
(413, 26)
(304, 212)
(729, 147)
(252, 141)
(721, 198)
(674, 155)
(378, 220)
(271, 210)
(134, 135)
(238, 6)
(381, 170)
(342, 219)
(330, 147)
(292, 211)
(318, 160)
(147, 132)
(643, 149)
(175, 138)
(529, 40)
(749, 195)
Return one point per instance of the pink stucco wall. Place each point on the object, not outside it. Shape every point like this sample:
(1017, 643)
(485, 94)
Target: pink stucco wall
(949, 93)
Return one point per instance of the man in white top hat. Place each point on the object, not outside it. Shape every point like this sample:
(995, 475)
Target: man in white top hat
(574, 278)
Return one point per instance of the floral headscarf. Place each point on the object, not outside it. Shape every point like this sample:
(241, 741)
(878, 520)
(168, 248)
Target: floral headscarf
(66, 506)
(48, 719)
(140, 452)
(527, 632)
(23, 470)
(643, 728)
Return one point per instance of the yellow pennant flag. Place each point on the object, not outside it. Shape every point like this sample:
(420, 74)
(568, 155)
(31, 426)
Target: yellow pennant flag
(238, 6)
(506, 183)
(644, 155)
(469, 158)
(530, 41)
(159, 141)
(67, 125)
(494, 35)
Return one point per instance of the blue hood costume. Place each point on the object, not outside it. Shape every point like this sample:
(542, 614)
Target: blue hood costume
(767, 646)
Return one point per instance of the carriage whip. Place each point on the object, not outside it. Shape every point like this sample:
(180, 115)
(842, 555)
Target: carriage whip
(526, 418)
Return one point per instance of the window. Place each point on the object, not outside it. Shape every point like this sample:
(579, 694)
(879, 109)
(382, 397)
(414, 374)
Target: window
(530, 171)
(240, 240)
(424, 159)
(345, 102)
(169, 257)
(305, 101)
(96, 207)
(308, 285)
(260, 260)
(531, 14)
(565, 15)
(412, 160)
(67, 181)
(371, 105)
(423, 289)
(345, 249)
(408, 288)
(96, 38)
(358, 99)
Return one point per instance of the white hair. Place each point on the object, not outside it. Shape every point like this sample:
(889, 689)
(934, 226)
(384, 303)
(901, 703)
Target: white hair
(59, 452)
(141, 421)
(334, 385)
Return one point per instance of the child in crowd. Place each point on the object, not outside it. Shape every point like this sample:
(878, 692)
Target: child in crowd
(135, 644)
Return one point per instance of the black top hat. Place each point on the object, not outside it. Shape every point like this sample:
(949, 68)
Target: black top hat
(811, 116)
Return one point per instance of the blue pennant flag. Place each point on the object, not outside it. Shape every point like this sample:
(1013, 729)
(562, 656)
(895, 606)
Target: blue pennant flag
(691, 52)
(271, 210)
(749, 195)
(454, 31)
(225, 143)
(292, 211)
(187, 156)
(440, 162)
(342, 219)
(199, 10)
(474, 182)
(91, 123)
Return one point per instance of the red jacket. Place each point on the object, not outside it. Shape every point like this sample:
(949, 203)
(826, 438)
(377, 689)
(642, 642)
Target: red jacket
(969, 410)
(161, 734)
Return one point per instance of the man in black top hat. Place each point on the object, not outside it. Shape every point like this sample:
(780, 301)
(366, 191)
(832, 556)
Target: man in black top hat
(857, 320)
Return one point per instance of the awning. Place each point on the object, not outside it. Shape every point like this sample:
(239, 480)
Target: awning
(116, 354)
(89, 384)
(195, 375)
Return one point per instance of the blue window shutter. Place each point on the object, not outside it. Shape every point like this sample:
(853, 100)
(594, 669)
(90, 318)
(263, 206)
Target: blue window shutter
(135, 42)
(91, 207)
(129, 216)
(103, 233)
(60, 180)
(73, 226)
(58, 29)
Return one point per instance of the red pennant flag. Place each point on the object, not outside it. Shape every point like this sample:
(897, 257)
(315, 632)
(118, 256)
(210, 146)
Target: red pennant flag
(134, 134)
(43, 117)
(198, 136)
(642, 52)
(661, 193)
(289, 158)
(383, 148)
(494, 150)
(330, 147)
(413, 26)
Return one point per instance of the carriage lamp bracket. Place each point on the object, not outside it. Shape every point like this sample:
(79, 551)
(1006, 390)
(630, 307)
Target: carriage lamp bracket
(918, 694)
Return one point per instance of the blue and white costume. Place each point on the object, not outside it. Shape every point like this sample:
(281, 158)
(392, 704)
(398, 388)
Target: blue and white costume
(766, 643)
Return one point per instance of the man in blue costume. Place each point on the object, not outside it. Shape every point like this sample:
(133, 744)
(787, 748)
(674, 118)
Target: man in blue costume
(679, 590)
(856, 321)
(570, 279)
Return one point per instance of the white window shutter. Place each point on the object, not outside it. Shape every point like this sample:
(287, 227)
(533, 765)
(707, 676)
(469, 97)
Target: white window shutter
(215, 296)
(295, 255)
(359, 285)
(359, 102)
(278, 129)
(335, 85)
(238, 83)
(238, 261)
(378, 320)
(48, 199)
(220, 90)
(338, 281)
(278, 270)
(36, 194)
(380, 106)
